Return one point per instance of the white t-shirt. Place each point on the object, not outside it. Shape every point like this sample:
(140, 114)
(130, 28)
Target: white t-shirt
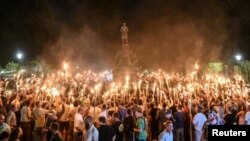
(91, 134)
(199, 120)
(247, 118)
(25, 114)
(104, 114)
(78, 122)
(165, 136)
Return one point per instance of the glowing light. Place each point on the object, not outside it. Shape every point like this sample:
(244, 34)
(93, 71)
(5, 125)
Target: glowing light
(55, 92)
(238, 57)
(98, 87)
(65, 66)
(127, 79)
(196, 66)
(43, 88)
(19, 55)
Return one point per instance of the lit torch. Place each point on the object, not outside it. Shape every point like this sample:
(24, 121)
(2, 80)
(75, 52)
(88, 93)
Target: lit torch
(65, 66)
(196, 66)
(127, 79)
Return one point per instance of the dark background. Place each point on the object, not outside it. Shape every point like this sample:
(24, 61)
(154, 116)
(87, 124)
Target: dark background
(171, 34)
(226, 128)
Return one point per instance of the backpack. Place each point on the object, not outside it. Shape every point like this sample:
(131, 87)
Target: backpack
(121, 127)
(145, 124)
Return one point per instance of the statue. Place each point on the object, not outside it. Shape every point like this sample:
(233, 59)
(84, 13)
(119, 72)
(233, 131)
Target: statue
(124, 31)
(125, 60)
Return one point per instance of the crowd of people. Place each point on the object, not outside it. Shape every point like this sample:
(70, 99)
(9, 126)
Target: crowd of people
(87, 107)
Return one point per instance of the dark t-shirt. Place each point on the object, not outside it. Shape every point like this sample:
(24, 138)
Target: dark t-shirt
(179, 120)
(153, 114)
(230, 119)
(117, 126)
(106, 133)
(128, 124)
(55, 137)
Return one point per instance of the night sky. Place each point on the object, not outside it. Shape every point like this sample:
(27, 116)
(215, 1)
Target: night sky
(169, 34)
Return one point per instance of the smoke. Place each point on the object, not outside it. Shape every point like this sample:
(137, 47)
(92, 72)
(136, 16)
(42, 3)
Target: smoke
(177, 47)
(83, 49)
(174, 36)
(168, 35)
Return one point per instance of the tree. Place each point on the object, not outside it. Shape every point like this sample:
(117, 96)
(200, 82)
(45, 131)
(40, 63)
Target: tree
(214, 67)
(12, 66)
(39, 66)
(245, 70)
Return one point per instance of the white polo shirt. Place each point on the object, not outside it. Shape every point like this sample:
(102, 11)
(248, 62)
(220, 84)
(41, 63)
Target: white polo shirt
(78, 122)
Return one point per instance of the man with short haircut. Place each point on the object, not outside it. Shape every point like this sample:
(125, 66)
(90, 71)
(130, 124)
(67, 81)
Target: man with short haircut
(104, 112)
(161, 116)
(122, 111)
(72, 112)
(94, 111)
(141, 126)
(128, 123)
(118, 127)
(230, 118)
(11, 118)
(167, 134)
(212, 120)
(64, 110)
(26, 121)
(39, 116)
(91, 133)
(78, 124)
(198, 122)
(154, 122)
(106, 133)
(56, 135)
(179, 124)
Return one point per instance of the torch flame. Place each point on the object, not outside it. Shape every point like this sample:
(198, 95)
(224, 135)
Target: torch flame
(65, 66)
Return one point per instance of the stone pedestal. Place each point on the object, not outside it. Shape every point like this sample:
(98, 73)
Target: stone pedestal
(125, 60)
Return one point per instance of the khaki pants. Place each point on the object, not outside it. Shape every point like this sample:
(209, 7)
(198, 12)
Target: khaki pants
(179, 133)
